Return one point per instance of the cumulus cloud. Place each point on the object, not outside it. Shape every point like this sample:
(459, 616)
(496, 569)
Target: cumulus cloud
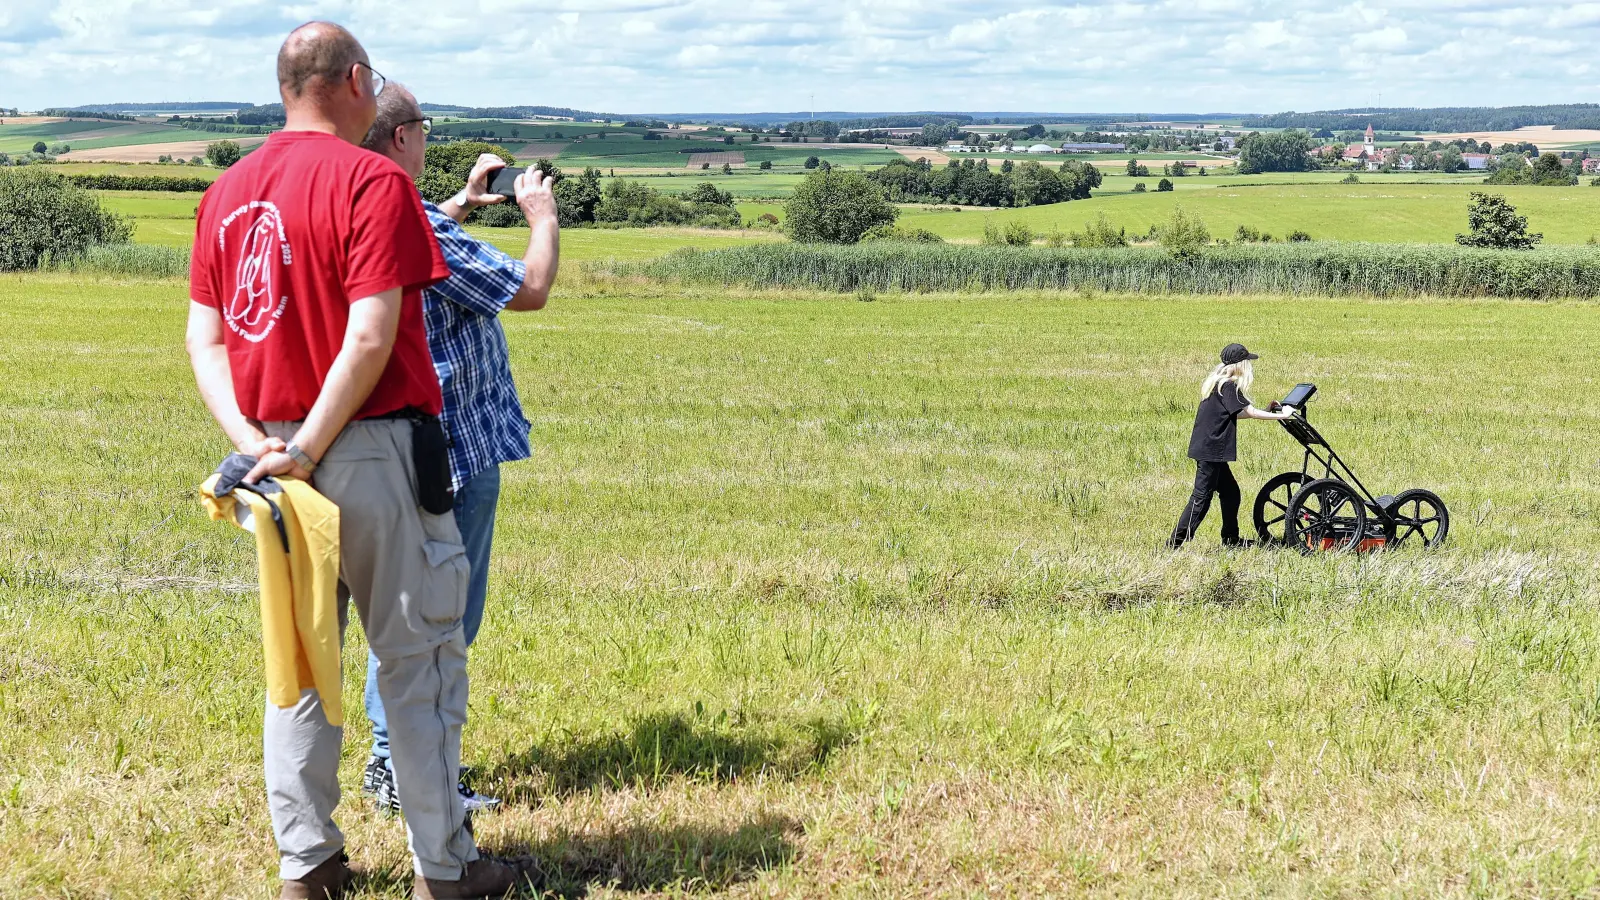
(749, 55)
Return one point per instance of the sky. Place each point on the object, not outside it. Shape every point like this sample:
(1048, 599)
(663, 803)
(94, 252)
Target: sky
(636, 56)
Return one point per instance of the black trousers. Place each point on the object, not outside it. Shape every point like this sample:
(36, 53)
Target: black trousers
(1209, 478)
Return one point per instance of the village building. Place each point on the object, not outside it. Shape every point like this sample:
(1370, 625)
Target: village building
(1366, 153)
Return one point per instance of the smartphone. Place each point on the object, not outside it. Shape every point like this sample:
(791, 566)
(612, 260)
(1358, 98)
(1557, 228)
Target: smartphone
(504, 181)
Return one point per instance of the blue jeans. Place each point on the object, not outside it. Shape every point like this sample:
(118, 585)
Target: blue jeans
(475, 507)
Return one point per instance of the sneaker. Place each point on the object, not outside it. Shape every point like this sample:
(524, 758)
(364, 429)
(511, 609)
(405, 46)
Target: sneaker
(471, 800)
(327, 881)
(376, 770)
(387, 795)
(482, 879)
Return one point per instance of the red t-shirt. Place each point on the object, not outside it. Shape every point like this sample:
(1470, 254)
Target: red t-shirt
(284, 241)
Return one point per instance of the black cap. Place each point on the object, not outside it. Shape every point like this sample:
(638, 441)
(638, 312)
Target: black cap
(1236, 353)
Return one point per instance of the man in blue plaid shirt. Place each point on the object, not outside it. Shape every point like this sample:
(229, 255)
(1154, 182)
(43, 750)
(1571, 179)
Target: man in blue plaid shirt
(481, 411)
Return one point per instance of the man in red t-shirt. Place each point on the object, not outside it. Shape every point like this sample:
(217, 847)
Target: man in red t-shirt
(307, 341)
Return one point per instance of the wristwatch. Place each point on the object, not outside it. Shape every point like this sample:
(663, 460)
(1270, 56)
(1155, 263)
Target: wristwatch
(301, 457)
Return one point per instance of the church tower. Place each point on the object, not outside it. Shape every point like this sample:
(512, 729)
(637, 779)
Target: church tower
(1370, 146)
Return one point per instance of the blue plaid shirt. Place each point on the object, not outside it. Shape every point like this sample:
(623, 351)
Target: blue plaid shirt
(481, 411)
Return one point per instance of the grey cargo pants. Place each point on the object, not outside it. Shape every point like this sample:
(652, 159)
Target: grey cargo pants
(406, 570)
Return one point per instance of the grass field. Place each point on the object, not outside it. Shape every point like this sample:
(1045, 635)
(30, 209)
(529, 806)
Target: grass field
(802, 595)
(92, 135)
(1380, 212)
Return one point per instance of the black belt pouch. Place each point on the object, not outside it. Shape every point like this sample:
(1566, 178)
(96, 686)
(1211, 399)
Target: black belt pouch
(430, 453)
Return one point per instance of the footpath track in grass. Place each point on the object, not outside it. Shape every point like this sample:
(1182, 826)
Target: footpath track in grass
(803, 595)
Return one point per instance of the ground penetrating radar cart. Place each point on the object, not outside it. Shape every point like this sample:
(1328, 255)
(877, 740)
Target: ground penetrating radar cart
(1335, 512)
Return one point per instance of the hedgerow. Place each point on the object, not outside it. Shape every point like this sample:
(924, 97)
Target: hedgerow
(1328, 269)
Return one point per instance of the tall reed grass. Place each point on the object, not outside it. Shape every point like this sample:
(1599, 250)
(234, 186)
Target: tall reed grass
(1333, 269)
(137, 260)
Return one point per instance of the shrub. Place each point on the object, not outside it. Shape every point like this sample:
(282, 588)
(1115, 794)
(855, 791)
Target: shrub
(766, 220)
(39, 147)
(1352, 178)
(766, 165)
(1298, 237)
(1100, 233)
(1249, 234)
(505, 214)
(45, 216)
(223, 154)
(1163, 185)
(896, 233)
(457, 158)
(812, 162)
(837, 208)
(1018, 234)
(1138, 188)
(1493, 222)
(1183, 235)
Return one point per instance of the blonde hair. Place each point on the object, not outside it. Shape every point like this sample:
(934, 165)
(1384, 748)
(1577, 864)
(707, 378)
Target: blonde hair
(1241, 373)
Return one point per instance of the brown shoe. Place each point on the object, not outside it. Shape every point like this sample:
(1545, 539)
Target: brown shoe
(483, 879)
(327, 881)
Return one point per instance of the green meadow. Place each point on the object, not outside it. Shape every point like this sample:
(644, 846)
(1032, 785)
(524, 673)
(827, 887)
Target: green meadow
(81, 135)
(802, 595)
(1371, 211)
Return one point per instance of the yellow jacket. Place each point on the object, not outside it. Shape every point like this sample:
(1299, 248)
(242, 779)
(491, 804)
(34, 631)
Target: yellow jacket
(299, 601)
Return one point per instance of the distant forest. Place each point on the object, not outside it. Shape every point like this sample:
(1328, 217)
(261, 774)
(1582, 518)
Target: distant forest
(515, 112)
(1449, 118)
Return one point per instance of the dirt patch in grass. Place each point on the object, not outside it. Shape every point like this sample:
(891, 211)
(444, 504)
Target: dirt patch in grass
(152, 152)
(542, 150)
(733, 158)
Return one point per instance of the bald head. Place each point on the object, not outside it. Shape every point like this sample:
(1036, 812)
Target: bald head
(316, 56)
(396, 106)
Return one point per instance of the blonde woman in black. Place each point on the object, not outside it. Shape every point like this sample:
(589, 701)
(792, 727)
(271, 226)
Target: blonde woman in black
(1214, 443)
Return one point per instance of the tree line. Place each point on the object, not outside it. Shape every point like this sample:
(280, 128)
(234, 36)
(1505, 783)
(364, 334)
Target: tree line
(1449, 118)
(973, 183)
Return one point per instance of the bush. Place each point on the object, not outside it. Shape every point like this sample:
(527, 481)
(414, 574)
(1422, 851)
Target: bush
(766, 220)
(1493, 222)
(766, 165)
(457, 158)
(896, 233)
(43, 216)
(812, 162)
(1248, 234)
(505, 214)
(1138, 188)
(1352, 178)
(1183, 235)
(1298, 237)
(223, 154)
(1322, 268)
(1018, 234)
(837, 208)
(1100, 233)
(1163, 185)
(39, 147)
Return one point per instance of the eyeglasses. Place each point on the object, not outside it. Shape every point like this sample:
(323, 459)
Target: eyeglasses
(427, 124)
(378, 81)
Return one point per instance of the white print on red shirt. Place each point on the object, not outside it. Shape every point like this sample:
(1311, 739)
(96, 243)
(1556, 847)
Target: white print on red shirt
(256, 305)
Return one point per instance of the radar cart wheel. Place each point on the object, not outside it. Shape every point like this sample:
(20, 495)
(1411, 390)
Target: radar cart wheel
(1326, 515)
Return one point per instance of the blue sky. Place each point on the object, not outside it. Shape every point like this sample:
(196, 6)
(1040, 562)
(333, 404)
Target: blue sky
(765, 55)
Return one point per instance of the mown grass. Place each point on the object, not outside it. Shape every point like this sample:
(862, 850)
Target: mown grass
(1383, 212)
(802, 595)
(1331, 269)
